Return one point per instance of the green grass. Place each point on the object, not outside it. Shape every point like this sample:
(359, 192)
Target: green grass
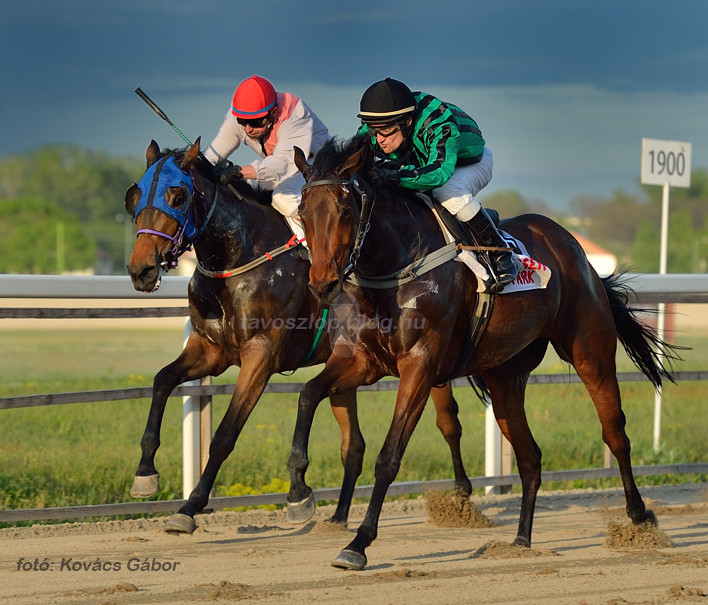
(87, 453)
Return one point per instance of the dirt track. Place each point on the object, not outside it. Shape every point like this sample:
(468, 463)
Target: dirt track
(258, 556)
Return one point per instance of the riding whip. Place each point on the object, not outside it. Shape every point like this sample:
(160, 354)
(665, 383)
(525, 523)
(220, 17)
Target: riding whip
(160, 113)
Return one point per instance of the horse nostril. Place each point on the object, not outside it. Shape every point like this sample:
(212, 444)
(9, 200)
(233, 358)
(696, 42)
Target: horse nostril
(330, 290)
(326, 293)
(147, 273)
(142, 276)
(313, 290)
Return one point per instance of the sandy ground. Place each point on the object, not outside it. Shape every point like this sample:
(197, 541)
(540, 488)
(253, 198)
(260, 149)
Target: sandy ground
(584, 552)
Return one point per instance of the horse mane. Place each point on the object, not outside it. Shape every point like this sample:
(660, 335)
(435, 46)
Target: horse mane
(337, 157)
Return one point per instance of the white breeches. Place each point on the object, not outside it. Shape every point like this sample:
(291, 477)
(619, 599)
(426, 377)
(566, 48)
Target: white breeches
(458, 193)
(286, 193)
(286, 199)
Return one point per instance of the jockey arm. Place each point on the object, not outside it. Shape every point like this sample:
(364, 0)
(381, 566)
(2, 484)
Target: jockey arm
(437, 153)
(226, 141)
(296, 131)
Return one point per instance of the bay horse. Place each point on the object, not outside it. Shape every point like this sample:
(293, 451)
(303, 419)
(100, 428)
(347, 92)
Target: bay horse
(353, 229)
(249, 306)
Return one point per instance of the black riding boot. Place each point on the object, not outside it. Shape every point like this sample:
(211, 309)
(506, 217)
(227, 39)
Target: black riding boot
(504, 266)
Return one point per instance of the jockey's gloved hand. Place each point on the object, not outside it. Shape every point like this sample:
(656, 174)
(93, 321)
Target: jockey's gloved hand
(382, 161)
(381, 177)
(228, 173)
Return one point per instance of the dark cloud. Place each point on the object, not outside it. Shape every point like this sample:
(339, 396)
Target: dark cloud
(619, 45)
(69, 68)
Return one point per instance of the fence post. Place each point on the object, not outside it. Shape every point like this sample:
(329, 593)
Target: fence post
(196, 430)
(191, 433)
(492, 445)
(205, 425)
(498, 456)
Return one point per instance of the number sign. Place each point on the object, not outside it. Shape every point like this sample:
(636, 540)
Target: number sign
(666, 162)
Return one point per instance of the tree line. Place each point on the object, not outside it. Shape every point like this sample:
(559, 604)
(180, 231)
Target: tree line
(61, 210)
(629, 226)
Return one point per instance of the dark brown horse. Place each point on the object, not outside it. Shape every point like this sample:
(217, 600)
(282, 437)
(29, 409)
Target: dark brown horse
(428, 327)
(249, 307)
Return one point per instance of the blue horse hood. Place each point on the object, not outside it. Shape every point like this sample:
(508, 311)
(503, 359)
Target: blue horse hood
(156, 181)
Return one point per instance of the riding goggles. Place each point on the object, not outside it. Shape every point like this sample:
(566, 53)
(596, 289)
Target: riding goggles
(254, 122)
(384, 132)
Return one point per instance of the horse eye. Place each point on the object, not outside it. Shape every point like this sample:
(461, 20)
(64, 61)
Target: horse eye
(177, 198)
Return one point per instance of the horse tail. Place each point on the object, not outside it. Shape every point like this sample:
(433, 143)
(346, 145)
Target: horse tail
(649, 353)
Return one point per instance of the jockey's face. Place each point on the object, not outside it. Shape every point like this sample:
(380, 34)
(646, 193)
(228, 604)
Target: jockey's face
(389, 137)
(253, 132)
(256, 128)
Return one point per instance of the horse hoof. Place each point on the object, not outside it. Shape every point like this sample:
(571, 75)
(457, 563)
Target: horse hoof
(179, 523)
(521, 541)
(348, 559)
(336, 524)
(648, 517)
(145, 486)
(301, 512)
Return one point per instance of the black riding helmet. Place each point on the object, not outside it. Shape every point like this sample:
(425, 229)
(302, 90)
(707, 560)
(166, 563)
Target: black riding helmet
(386, 102)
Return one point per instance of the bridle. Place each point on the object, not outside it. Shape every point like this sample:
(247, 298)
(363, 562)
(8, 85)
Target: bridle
(153, 196)
(365, 213)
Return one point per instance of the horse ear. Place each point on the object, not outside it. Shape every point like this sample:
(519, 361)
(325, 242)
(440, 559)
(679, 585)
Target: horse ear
(354, 162)
(301, 163)
(190, 156)
(153, 153)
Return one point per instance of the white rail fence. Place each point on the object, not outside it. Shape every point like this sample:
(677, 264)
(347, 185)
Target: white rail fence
(649, 290)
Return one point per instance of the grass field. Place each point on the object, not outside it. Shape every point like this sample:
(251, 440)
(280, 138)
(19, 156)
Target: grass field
(87, 453)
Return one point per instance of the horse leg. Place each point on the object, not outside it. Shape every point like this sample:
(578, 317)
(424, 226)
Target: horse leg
(507, 388)
(252, 379)
(413, 391)
(344, 408)
(340, 375)
(449, 424)
(198, 359)
(594, 362)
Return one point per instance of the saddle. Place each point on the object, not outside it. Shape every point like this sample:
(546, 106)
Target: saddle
(455, 227)
(534, 275)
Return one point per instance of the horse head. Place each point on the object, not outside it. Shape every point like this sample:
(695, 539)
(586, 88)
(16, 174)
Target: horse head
(333, 209)
(161, 205)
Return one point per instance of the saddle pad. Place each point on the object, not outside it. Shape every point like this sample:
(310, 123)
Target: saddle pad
(534, 275)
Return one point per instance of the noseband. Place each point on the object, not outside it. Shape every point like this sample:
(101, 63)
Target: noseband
(365, 214)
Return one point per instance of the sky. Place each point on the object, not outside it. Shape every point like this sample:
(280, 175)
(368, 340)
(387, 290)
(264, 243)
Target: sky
(563, 90)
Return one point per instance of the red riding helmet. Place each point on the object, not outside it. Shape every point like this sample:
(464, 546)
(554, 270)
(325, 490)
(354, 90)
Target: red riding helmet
(253, 98)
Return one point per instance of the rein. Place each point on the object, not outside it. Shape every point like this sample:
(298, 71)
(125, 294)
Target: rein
(268, 256)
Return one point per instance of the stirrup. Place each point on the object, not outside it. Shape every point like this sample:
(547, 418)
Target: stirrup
(507, 276)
